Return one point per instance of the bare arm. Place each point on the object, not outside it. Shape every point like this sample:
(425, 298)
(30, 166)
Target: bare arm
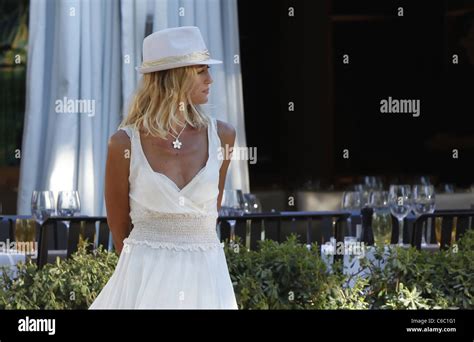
(227, 135)
(117, 188)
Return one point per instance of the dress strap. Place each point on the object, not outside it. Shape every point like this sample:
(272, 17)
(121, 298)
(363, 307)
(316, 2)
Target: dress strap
(128, 130)
(214, 127)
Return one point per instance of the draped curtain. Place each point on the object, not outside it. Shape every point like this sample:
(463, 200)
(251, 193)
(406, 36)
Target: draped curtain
(81, 76)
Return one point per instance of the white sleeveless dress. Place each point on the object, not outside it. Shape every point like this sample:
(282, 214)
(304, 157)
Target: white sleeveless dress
(172, 258)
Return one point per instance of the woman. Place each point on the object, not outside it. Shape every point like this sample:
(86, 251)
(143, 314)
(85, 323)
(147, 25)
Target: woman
(165, 176)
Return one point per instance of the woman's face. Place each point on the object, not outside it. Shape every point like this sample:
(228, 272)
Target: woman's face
(201, 85)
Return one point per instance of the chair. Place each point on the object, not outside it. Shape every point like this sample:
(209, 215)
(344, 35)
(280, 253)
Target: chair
(309, 226)
(93, 229)
(366, 221)
(454, 225)
(408, 222)
(5, 229)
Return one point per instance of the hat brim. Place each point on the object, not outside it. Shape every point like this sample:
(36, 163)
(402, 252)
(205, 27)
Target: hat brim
(142, 70)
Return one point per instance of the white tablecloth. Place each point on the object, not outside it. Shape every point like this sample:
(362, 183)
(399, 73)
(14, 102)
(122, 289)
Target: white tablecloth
(11, 258)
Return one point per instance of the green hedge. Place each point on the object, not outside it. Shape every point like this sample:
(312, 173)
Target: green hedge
(425, 280)
(288, 276)
(277, 276)
(68, 284)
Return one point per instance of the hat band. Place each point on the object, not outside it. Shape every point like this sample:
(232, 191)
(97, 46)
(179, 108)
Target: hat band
(199, 56)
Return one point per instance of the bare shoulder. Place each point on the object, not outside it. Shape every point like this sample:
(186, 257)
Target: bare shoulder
(226, 132)
(119, 139)
(119, 142)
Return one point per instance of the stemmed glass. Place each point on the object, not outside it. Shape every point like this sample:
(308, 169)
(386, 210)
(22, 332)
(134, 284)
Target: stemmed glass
(232, 205)
(400, 201)
(42, 205)
(381, 222)
(252, 204)
(423, 203)
(373, 183)
(68, 204)
(351, 201)
(364, 191)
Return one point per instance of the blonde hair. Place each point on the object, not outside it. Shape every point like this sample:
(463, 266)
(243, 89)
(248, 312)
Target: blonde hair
(158, 99)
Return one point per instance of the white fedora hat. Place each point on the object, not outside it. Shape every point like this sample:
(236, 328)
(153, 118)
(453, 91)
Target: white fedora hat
(174, 48)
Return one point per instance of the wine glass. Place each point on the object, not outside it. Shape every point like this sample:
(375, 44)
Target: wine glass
(68, 204)
(247, 203)
(232, 205)
(448, 188)
(373, 183)
(425, 180)
(381, 219)
(252, 204)
(42, 205)
(364, 191)
(400, 201)
(351, 201)
(423, 203)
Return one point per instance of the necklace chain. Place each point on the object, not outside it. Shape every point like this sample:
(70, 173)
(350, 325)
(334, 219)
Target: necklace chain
(177, 143)
(176, 137)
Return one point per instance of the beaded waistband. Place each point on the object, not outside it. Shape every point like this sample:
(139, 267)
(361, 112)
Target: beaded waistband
(175, 231)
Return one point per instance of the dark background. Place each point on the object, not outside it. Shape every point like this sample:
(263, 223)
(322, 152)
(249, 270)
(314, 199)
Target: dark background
(337, 106)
